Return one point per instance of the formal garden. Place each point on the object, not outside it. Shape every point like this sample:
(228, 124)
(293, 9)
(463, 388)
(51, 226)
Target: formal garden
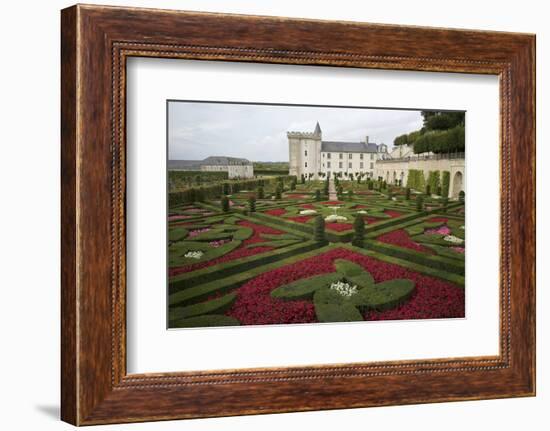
(285, 250)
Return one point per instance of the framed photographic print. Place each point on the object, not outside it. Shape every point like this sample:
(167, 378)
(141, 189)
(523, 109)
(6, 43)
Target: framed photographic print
(319, 214)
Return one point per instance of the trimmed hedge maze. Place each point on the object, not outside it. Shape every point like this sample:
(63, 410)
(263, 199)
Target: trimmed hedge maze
(253, 257)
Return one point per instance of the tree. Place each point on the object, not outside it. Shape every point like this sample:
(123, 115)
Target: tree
(318, 195)
(260, 192)
(319, 229)
(419, 203)
(293, 184)
(408, 194)
(445, 180)
(278, 192)
(359, 231)
(225, 204)
(428, 190)
(225, 188)
(252, 204)
(461, 196)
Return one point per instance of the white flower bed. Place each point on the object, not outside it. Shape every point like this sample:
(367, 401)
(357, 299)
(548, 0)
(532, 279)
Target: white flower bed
(361, 212)
(308, 212)
(194, 254)
(462, 227)
(344, 289)
(453, 239)
(335, 218)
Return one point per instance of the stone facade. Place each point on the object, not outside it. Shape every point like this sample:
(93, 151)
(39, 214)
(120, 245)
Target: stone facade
(309, 155)
(397, 164)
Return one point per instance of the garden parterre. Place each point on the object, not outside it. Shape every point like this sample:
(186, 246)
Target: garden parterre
(259, 260)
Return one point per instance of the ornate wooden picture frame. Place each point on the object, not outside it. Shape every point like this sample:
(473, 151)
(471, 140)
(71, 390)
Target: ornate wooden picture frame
(96, 41)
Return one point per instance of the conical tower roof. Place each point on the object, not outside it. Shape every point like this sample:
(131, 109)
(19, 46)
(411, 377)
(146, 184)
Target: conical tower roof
(317, 130)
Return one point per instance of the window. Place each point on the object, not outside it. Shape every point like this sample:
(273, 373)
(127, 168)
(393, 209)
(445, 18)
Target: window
(323, 154)
(350, 156)
(361, 156)
(371, 165)
(328, 164)
(328, 156)
(340, 164)
(341, 156)
(305, 153)
(361, 165)
(349, 165)
(323, 165)
(372, 156)
(306, 164)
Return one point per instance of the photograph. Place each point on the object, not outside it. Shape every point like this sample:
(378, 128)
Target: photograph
(290, 214)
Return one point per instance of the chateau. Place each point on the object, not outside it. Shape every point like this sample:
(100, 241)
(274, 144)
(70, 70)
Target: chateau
(310, 155)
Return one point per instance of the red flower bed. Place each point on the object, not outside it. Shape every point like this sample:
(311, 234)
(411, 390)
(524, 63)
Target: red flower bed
(240, 252)
(300, 219)
(308, 206)
(438, 220)
(296, 196)
(332, 203)
(433, 298)
(401, 238)
(372, 220)
(393, 214)
(339, 227)
(179, 217)
(276, 212)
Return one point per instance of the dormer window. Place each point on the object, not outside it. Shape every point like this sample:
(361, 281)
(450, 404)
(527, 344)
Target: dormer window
(305, 153)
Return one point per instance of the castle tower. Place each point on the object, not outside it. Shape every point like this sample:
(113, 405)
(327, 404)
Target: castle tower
(305, 152)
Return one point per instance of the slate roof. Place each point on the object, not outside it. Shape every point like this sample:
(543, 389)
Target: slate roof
(209, 161)
(348, 147)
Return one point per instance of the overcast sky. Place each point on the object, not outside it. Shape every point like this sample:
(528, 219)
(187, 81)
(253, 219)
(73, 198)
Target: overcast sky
(258, 132)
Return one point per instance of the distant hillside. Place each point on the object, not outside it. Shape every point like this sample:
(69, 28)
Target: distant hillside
(278, 168)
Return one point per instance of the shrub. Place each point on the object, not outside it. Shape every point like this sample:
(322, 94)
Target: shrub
(225, 188)
(303, 179)
(419, 203)
(350, 194)
(340, 190)
(370, 185)
(293, 184)
(359, 232)
(434, 180)
(408, 193)
(319, 229)
(278, 192)
(439, 191)
(260, 192)
(318, 195)
(428, 190)
(445, 181)
(199, 194)
(225, 204)
(461, 196)
(390, 195)
(445, 203)
(252, 204)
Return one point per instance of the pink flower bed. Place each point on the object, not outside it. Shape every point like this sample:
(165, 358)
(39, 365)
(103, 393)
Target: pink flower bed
(240, 252)
(441, 230)
(359, 206)
(332, 203)
(300, 219)
(433, 298)
(276, 212)
(339, 227)
(401, 238)
(178, 217)
(459, 249)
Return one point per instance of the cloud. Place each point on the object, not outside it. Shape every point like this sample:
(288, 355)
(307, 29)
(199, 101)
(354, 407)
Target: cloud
(258, 132)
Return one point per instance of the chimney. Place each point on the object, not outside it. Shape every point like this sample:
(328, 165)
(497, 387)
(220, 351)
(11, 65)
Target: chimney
(367, 139)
